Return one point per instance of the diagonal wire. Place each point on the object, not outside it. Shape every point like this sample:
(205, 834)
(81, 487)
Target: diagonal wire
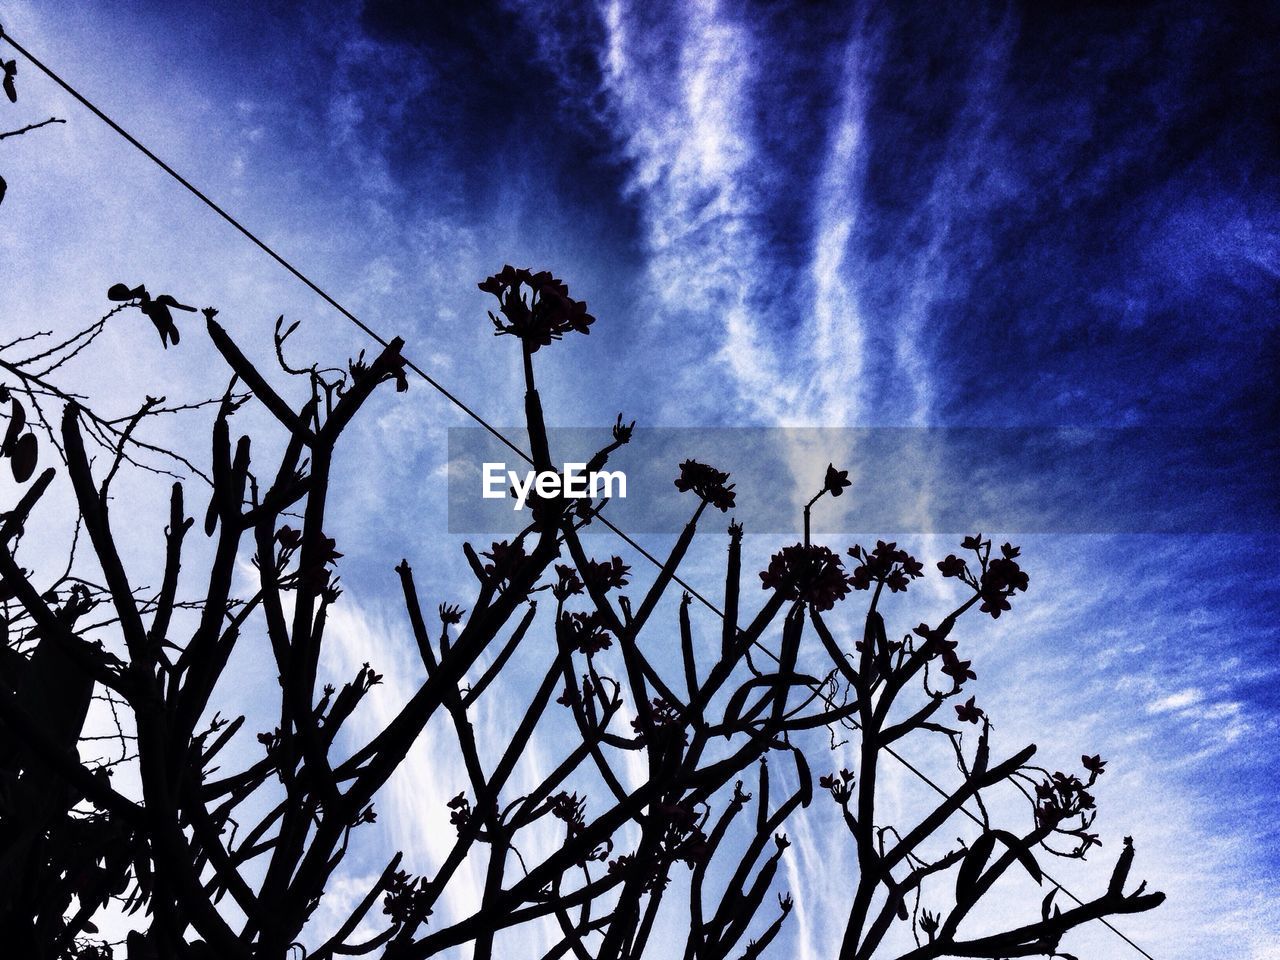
(452, 398)
(252, 237)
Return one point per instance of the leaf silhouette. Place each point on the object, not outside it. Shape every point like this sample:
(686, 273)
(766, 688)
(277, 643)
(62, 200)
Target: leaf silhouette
(971, 866)
(1046, 903)
(26, 452)
(120, 292)
(158, 311)
(17, 420)
(10, 70)
(1022, 853)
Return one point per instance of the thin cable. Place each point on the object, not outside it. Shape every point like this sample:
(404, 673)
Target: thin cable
(262, 245)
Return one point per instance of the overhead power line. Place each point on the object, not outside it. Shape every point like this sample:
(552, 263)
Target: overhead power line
(453, 398)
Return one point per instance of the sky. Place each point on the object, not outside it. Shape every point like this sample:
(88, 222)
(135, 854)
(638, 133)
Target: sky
(1043, 216)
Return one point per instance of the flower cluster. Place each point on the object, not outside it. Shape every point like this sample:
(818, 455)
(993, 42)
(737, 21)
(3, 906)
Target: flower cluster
(570, 809)
(462, 812)
(605, 575)
(571, 696)
(289, 538)
(406, 900)
(1002, 578)
(366, 678)
(665, 718)
(586, 632)
(936, 644)
(326, 553)
(840, 785)
(813, 574)
(504, 560)
(708, 483)
(885, 564)
(270, 740)
(536, 307)
(1065, 795)
(997, 579)
(567, 583)
(682, 837)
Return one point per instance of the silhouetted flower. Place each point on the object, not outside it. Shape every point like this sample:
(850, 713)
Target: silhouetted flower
(536, 307)
(1062, 796)
(968, 712)
(836, 481)
(450, 614)
(952, 566)
(606, 575)
(622, 431)
(994, 604)
(159, 310)
(1006, 574)
(326, 550)
(683, 838)
(840, 785)
(407, 900)
(569, 697)
(957, 669)
(570, 809)
(707, 482)
(462, 811)
(1093, 764)
(885, 564)
(929, 923)
(567, 583)
(1001, 579)
(935, 641)
(586, 632)
(813, 574)
(505, 558)
(664, 716)
(621, 864)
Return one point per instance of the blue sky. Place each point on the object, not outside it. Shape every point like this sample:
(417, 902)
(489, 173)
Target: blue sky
(1041, 215)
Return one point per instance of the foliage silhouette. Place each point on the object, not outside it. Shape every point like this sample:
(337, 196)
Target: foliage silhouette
(216, 853)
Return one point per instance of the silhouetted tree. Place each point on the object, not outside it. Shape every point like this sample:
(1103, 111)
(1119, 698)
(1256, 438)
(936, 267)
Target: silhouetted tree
(230, 856)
